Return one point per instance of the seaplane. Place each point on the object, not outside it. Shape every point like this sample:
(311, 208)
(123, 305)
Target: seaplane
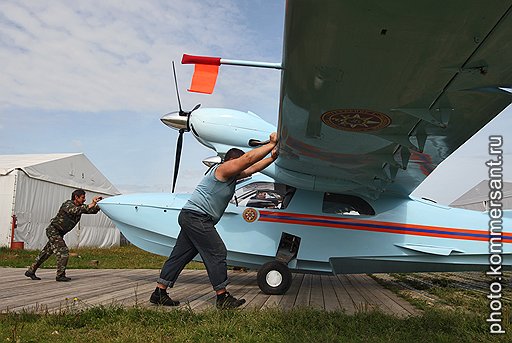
(374, 95)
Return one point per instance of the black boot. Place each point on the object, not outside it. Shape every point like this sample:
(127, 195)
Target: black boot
(226, 300)
(62, 278)
(160, 297)
(32, 275)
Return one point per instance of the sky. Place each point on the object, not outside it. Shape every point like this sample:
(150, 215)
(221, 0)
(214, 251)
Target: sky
(95, 77)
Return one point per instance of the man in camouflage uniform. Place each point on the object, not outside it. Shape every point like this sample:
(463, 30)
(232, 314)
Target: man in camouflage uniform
(66, 219)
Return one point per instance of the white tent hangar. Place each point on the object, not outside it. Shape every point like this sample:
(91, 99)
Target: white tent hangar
(32, 188)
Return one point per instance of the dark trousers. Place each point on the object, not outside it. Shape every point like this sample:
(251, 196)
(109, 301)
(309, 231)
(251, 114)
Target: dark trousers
(197, 235)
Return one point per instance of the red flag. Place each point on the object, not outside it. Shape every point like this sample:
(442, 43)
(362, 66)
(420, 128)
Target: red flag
(204, 78)
(205, 73)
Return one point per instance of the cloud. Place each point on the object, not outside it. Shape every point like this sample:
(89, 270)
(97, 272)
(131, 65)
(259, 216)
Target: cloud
(111, 56)
(95, 76)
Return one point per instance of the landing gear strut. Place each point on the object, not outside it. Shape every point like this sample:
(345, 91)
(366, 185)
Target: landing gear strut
(275, 277)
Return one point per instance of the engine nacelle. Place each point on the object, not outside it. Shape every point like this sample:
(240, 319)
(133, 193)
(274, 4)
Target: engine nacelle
(221, 129)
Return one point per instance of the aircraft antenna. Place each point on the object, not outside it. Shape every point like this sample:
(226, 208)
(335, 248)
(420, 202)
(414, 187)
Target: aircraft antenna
(176, 86)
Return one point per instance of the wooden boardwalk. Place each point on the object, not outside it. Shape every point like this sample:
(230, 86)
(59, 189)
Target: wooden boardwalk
(132, 287)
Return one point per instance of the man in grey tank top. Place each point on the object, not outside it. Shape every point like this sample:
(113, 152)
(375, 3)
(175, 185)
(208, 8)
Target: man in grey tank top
(197, 220)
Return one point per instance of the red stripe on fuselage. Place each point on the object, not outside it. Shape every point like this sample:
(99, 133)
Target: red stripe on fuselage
(344, 223)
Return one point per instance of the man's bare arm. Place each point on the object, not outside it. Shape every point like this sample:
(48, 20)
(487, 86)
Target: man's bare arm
(234, 167)
(259, 166)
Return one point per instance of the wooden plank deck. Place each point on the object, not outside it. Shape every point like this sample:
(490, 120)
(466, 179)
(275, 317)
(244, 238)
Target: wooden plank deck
(132, 287)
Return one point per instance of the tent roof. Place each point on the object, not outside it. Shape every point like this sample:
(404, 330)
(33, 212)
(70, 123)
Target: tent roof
(480, 193)
(73, 170)
(10, 162)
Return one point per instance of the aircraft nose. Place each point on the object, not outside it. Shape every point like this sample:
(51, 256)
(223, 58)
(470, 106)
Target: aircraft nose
(175, 121)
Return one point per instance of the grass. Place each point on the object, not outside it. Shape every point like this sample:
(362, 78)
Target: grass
(445, 298)
(448, 295)
(125, 257)
(117, 324)
(455, 314)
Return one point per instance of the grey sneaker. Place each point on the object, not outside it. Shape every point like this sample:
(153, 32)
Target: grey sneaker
(160, 297)
(226, 300)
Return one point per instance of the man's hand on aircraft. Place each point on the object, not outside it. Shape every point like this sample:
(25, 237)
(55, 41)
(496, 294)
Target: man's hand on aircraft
(96, 199)
(273, 138)
(275, 153)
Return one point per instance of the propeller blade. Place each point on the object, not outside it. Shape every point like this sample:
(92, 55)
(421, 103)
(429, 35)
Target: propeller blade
(195, 108)
(179, 145)
(176, 85)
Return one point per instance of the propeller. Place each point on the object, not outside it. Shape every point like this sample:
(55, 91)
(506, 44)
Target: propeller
(179, 120)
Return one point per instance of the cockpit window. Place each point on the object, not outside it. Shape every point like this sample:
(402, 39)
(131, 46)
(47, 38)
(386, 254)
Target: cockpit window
(346, 205)
(264, 195)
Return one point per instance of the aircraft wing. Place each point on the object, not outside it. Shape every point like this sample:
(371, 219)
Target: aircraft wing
(375, 94)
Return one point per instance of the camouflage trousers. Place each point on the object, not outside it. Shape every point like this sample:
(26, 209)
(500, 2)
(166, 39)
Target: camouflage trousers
(57, 246)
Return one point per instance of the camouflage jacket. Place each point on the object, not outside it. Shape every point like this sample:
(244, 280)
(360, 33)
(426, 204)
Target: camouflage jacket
(69, 215)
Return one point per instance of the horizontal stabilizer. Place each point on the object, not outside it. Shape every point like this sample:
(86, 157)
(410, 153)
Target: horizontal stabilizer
(429, 249)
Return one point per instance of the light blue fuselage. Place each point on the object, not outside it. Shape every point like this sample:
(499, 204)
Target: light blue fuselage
(405, 234)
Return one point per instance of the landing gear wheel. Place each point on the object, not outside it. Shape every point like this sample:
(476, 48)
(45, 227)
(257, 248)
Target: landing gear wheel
(274, 278)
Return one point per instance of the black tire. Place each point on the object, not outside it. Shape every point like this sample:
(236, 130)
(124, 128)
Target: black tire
(274, 278)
